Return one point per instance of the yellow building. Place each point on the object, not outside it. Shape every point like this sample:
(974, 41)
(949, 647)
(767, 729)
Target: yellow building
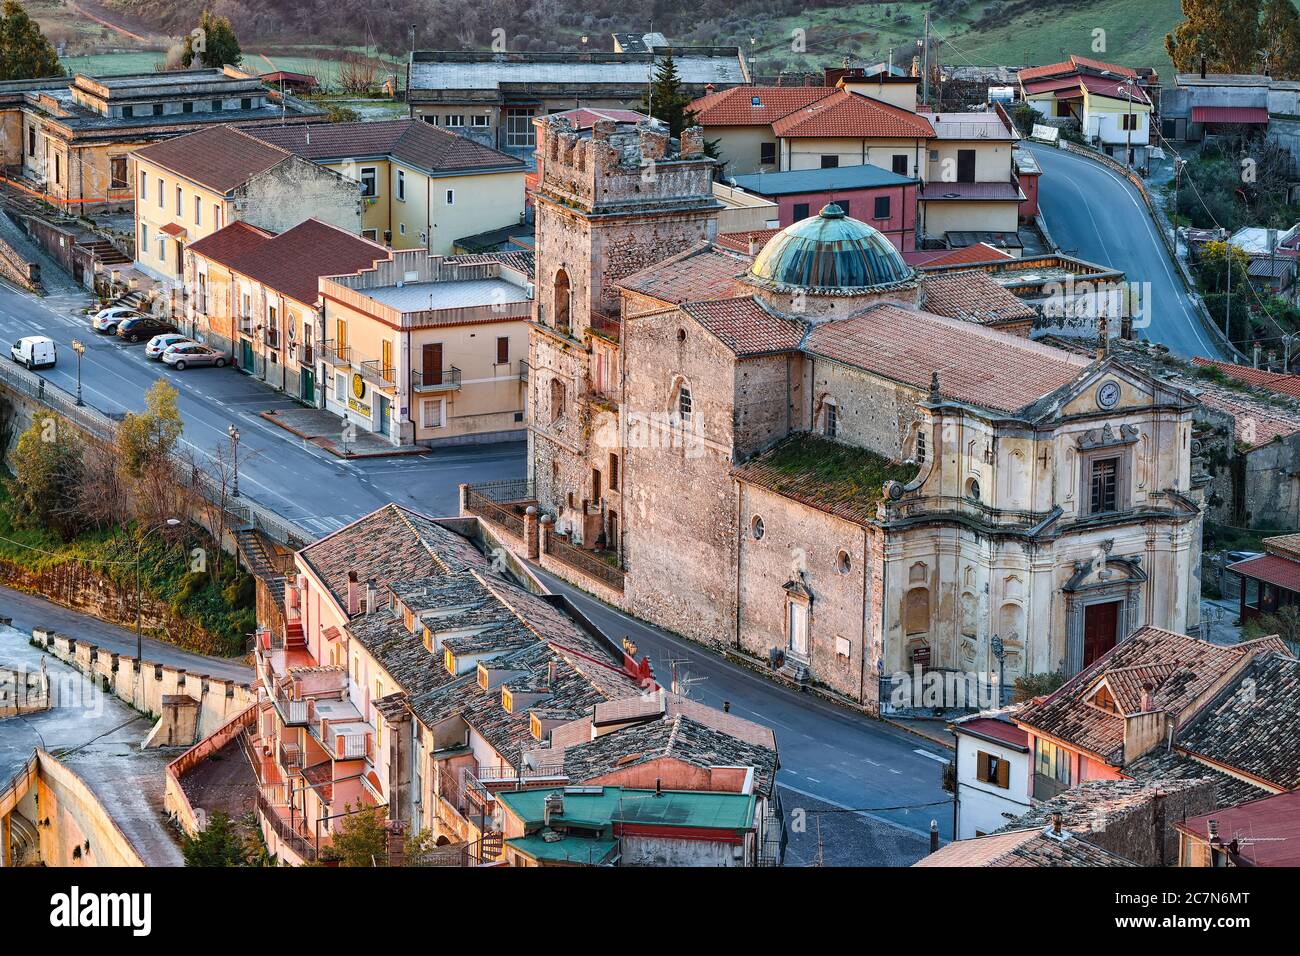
(423, 187)
(429, 350)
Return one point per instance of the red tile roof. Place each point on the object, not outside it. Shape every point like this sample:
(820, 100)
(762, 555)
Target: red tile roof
(292, 262)
(1274, 569)
(412, 141)
(1267, 831)
(976, 364)
(966, 255)
(1273, 381)
(1230, 114)
(1050, 69)
(1073, 65)
(973, 296)
(845, 114)
(1101, 65)
(1254, 423)
(172, 229)
(219, 157)
(700, 273)
(745, 327)
(735, 106)
(1000, 730)
(1103, 86)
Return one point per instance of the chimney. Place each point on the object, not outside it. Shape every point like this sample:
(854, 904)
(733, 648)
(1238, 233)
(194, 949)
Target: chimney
(552, 806)
(659, 787)
(709, 87)
(1202, 66)
(550, 674)
(1103, 337)
(726, 706)
(1213, 828)
(1148, 702)
(354, 594)
(1056, 824)
(753, 244)
(372, 596)
(934, 836)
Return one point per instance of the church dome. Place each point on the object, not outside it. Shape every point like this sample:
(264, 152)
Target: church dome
(830, 251)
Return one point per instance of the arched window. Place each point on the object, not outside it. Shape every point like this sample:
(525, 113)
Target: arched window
(557, 399)
(563, 295)
(684, 404)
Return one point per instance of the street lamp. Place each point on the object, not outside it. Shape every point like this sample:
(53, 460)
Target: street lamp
(234, 458)
(79, 347)
(1130, 120)
(139, 549)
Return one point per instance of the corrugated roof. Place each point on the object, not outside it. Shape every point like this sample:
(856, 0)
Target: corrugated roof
(1266, 831)
(1255, 115)
(797, 181)
(467, 72)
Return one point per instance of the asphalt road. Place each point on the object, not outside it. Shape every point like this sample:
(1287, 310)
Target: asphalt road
(29, 612)
(1096, 214)
(300, 481)
(827, 753)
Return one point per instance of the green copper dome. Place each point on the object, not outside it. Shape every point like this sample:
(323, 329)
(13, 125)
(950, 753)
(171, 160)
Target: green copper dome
(830, 251)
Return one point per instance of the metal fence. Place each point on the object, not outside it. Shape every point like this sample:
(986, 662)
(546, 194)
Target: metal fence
(245, 513)
(505, 491)
(584, 561)
(504, 516)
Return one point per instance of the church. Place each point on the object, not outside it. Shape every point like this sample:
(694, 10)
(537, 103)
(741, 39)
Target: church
(798, 454)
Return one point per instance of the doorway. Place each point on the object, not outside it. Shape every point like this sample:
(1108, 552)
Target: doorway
(1100, 629)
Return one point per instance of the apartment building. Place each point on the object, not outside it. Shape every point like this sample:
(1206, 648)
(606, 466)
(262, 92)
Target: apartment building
(430, 350)
(1112, 104)
(422, 187)
(194, 185)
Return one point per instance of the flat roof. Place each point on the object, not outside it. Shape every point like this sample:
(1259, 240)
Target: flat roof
(597, 806)
(466, 293)
(819, 180)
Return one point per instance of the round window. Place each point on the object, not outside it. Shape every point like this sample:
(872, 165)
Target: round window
(973, 489)
(843, 562)
(756, 528)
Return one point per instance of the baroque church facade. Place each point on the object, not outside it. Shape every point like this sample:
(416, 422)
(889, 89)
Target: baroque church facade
(793, 456)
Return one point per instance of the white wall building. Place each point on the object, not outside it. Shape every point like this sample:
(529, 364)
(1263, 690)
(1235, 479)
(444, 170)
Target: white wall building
(992, 774)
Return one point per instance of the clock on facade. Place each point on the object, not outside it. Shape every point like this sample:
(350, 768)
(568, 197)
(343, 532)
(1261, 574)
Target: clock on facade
(1108, 394)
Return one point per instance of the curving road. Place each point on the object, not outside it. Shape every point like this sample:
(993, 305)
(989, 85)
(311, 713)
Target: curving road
(1096, 214)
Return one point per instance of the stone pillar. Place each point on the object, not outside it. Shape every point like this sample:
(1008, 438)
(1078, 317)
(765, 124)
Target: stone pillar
(545, 525)
(530, 532)
(464, 498)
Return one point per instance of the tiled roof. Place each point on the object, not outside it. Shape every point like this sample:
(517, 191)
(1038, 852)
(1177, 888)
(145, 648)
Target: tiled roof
(745, 327)
(1181, 668)
(739, 241)
(976, 364)
(845, 114)
(1273, 381)
(389, 544)
(966, 255)
(1033, 847)
(1050, 69)
(1003, 731)
(420, 144)
(293, 262)
(973, 296)
(843, 480)
(1255, 423)
(1098, 805)
(1266, 831)
(735, 107)
(1101, 65)
(1253, 724)
(1287, 545)
(1275, 569)
(1162, 765)
(220, 157)
(700, 273)
(230, 243)
(970, 192)
(679, 736)
(1074, 64)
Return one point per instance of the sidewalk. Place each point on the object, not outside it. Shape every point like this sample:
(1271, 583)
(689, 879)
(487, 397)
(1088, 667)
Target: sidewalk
(935, 731)
(325, 430)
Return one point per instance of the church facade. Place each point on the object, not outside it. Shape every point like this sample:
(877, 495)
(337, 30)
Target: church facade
(791, 456)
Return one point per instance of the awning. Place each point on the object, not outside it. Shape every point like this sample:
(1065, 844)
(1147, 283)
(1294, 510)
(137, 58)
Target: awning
(1230, 114)
(1270, 568)
(173, 229)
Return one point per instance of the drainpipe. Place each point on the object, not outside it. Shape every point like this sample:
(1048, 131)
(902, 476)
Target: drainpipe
(862, 670)
(740, 531)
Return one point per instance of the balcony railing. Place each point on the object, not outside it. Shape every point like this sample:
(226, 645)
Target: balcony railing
(376, 371)
(606, 325)
(273, 338)
(336, 354)
(523, 370)
(436, 380)
(305, 354)
(584, 561)
(354, 745)
(245, 324)
(295, 713)
(290, 756)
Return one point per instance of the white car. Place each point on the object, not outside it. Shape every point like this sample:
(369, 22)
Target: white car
(107, 320)
(35, 351)
(187, 354)
(161, 343)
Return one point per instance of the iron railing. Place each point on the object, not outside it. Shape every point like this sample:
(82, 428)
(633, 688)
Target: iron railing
(523, 370)
(336, 354)
(304, 847)
(377, 371)
(584, 561)
(506, 517)
(437, 380)
(506, 490)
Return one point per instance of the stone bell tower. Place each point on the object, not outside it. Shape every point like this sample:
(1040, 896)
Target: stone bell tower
(611, 200)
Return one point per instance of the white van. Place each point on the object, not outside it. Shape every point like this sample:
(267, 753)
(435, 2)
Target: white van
(35, 351)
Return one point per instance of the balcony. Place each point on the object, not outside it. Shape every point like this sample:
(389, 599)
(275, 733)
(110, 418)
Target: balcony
(606, 325)
(294, 713)
(290, 756)
(336, 354)
(523, 370)
(273, 338)
(374, 370)
(438, 380)
(304, 354)
(245, 323)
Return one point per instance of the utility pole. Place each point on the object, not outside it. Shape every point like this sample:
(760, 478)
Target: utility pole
(925, 62)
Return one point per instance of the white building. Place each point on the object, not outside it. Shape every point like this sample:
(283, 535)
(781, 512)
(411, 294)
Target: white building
(992, 774)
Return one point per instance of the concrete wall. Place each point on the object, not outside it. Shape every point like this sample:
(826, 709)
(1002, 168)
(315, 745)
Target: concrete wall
(295, 190)
(80, 831)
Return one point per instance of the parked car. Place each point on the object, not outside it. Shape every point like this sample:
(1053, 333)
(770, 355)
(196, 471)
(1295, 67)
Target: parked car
(185, 354)
(106, 320)
(139, 328)
(35, 351)
(161, 343)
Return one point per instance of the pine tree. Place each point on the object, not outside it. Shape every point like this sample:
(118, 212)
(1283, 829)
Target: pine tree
(1280, 33)
(217, 844)
(220, 46)
(667, 101)
(25, 53)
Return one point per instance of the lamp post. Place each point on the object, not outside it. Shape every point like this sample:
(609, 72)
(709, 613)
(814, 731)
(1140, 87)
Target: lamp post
(79, 347)
(1130, 120)
(234, 457)
(139, 550)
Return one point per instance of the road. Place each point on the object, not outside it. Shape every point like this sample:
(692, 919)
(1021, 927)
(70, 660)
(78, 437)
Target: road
(295, 478)
(827, 753)
(29, 611)
(1096, 214)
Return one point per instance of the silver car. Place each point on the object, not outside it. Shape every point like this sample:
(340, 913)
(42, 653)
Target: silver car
(161, 343)
(185, 354)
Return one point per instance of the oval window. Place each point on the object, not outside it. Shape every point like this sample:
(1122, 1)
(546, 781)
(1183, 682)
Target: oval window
(843, 562)
(756, 528)
(973, 489)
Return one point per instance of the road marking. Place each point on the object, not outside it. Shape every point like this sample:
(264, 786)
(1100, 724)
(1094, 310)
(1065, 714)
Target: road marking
(926, 753)
(862, 813)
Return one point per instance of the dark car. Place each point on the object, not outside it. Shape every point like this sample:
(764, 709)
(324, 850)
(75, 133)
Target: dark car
(142, 328)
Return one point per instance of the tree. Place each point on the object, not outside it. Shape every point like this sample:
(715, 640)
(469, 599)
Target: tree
(217, 844)
(47, 473)
(213, 44)
(362, 840)
(1280, 32)
(666, 100)
(149, 437)
(25, 53)
(1225, 32)
(1284, 622)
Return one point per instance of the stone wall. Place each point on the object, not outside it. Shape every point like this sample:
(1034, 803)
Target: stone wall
(295, 190)
(80, 831)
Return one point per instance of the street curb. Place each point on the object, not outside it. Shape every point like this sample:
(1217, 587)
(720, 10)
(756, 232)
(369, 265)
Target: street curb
(316, 440)
(916, 733)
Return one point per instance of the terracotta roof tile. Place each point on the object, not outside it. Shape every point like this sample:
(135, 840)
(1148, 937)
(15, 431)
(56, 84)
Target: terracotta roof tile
(852, 114)
(1023, 848)
(1049, 69)
(735, 106)
(700, 273)
(745, 327)
(1273, 381)
(230, 243)
(739, 241)
(1284, 572)
(412, 141)
(976, 364)
(973, 296)
(967, 255)
(220, 157)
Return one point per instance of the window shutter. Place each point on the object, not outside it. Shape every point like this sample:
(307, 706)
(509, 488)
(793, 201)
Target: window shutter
(1004, 774)
(983, 772)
